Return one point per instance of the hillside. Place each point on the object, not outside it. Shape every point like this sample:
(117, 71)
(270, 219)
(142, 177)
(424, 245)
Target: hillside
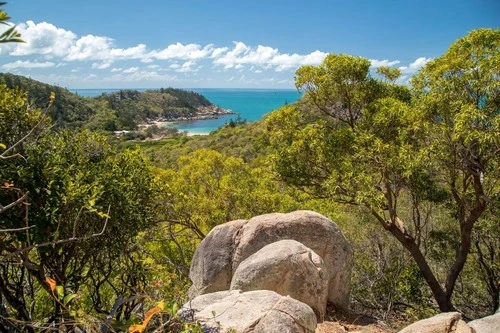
(125, 109)
(68, 110)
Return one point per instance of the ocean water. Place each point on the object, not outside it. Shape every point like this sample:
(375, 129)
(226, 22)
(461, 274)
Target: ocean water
(249, 104)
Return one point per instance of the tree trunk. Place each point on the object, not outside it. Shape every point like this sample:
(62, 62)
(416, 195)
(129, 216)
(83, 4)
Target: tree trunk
(466, 225)
(442, 299)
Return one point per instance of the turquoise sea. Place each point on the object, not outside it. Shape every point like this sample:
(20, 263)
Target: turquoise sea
(250, 104)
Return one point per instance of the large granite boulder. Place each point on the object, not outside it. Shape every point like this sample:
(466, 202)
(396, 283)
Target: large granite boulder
(253, 311)
(288, 268)
(236, 241)
(448, 322)
(211, 267)
(490, 324)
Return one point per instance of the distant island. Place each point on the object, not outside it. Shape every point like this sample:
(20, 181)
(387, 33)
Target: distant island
(124, 110)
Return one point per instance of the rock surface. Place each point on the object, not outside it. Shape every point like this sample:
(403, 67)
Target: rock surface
(237, 240)
(448, 322)
(211, 267)
(288, 268)
(253, 311)
(490, 324)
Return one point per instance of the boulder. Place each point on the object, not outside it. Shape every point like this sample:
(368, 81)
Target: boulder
(448, 322)
(288, 268)
(490, 324)
(211, 267)
(210, 270)
(253, 311)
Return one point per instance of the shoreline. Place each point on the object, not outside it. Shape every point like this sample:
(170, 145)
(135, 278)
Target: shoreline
(204, 113)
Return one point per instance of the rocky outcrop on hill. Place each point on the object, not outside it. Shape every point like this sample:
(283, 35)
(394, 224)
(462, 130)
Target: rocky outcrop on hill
(451, 322)
(288, 268)
(229, 244)
(490, 324)
(253, 311)
(301, 255)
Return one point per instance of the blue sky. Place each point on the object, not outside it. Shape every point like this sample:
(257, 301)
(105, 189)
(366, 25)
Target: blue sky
(226, 44)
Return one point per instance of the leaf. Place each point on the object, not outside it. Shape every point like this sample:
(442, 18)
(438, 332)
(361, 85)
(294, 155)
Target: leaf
(102, 214)
(51, 282)
(175, 308)
(3, 146)
(60, 291)
(137, 328)
(7, 185)
(151, 312)
(68, 298)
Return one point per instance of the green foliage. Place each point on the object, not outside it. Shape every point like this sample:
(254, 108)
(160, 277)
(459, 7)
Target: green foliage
(87, 202)
(247, 141)
(68, 110)
(16, 117)
(399, 157)
(338, 87)
(390, 74)
(207, 188)
(133, 107)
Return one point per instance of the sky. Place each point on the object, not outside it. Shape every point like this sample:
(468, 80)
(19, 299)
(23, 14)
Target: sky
(226, 43)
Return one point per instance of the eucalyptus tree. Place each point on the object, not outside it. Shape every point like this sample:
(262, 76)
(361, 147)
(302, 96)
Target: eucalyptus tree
(366, 142)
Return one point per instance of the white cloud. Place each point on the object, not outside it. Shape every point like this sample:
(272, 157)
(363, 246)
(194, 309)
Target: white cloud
(266, 57)
(130, 70)
(139, 76)
(103, 65)
(27, 65)
(415, 66)
(47, 40)
(187, 67)
(379, 63)
(181, 51)
(42, 38)
(92, 47)
(49, 46)
(217, 52)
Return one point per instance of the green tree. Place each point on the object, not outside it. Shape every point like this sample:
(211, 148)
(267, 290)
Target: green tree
(397, 160)
(458, 99)
(207, 188)
(84, 204)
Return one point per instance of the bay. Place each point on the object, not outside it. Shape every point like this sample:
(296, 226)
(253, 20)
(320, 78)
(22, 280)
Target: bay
(249, 104)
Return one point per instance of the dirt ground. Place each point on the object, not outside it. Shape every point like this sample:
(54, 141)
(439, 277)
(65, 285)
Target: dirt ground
(336, 322)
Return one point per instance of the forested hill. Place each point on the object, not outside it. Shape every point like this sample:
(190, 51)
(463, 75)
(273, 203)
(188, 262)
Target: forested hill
(68, 110)
(125, 109)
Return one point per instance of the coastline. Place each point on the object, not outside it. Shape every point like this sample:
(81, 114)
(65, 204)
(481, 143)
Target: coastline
(204, 113)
